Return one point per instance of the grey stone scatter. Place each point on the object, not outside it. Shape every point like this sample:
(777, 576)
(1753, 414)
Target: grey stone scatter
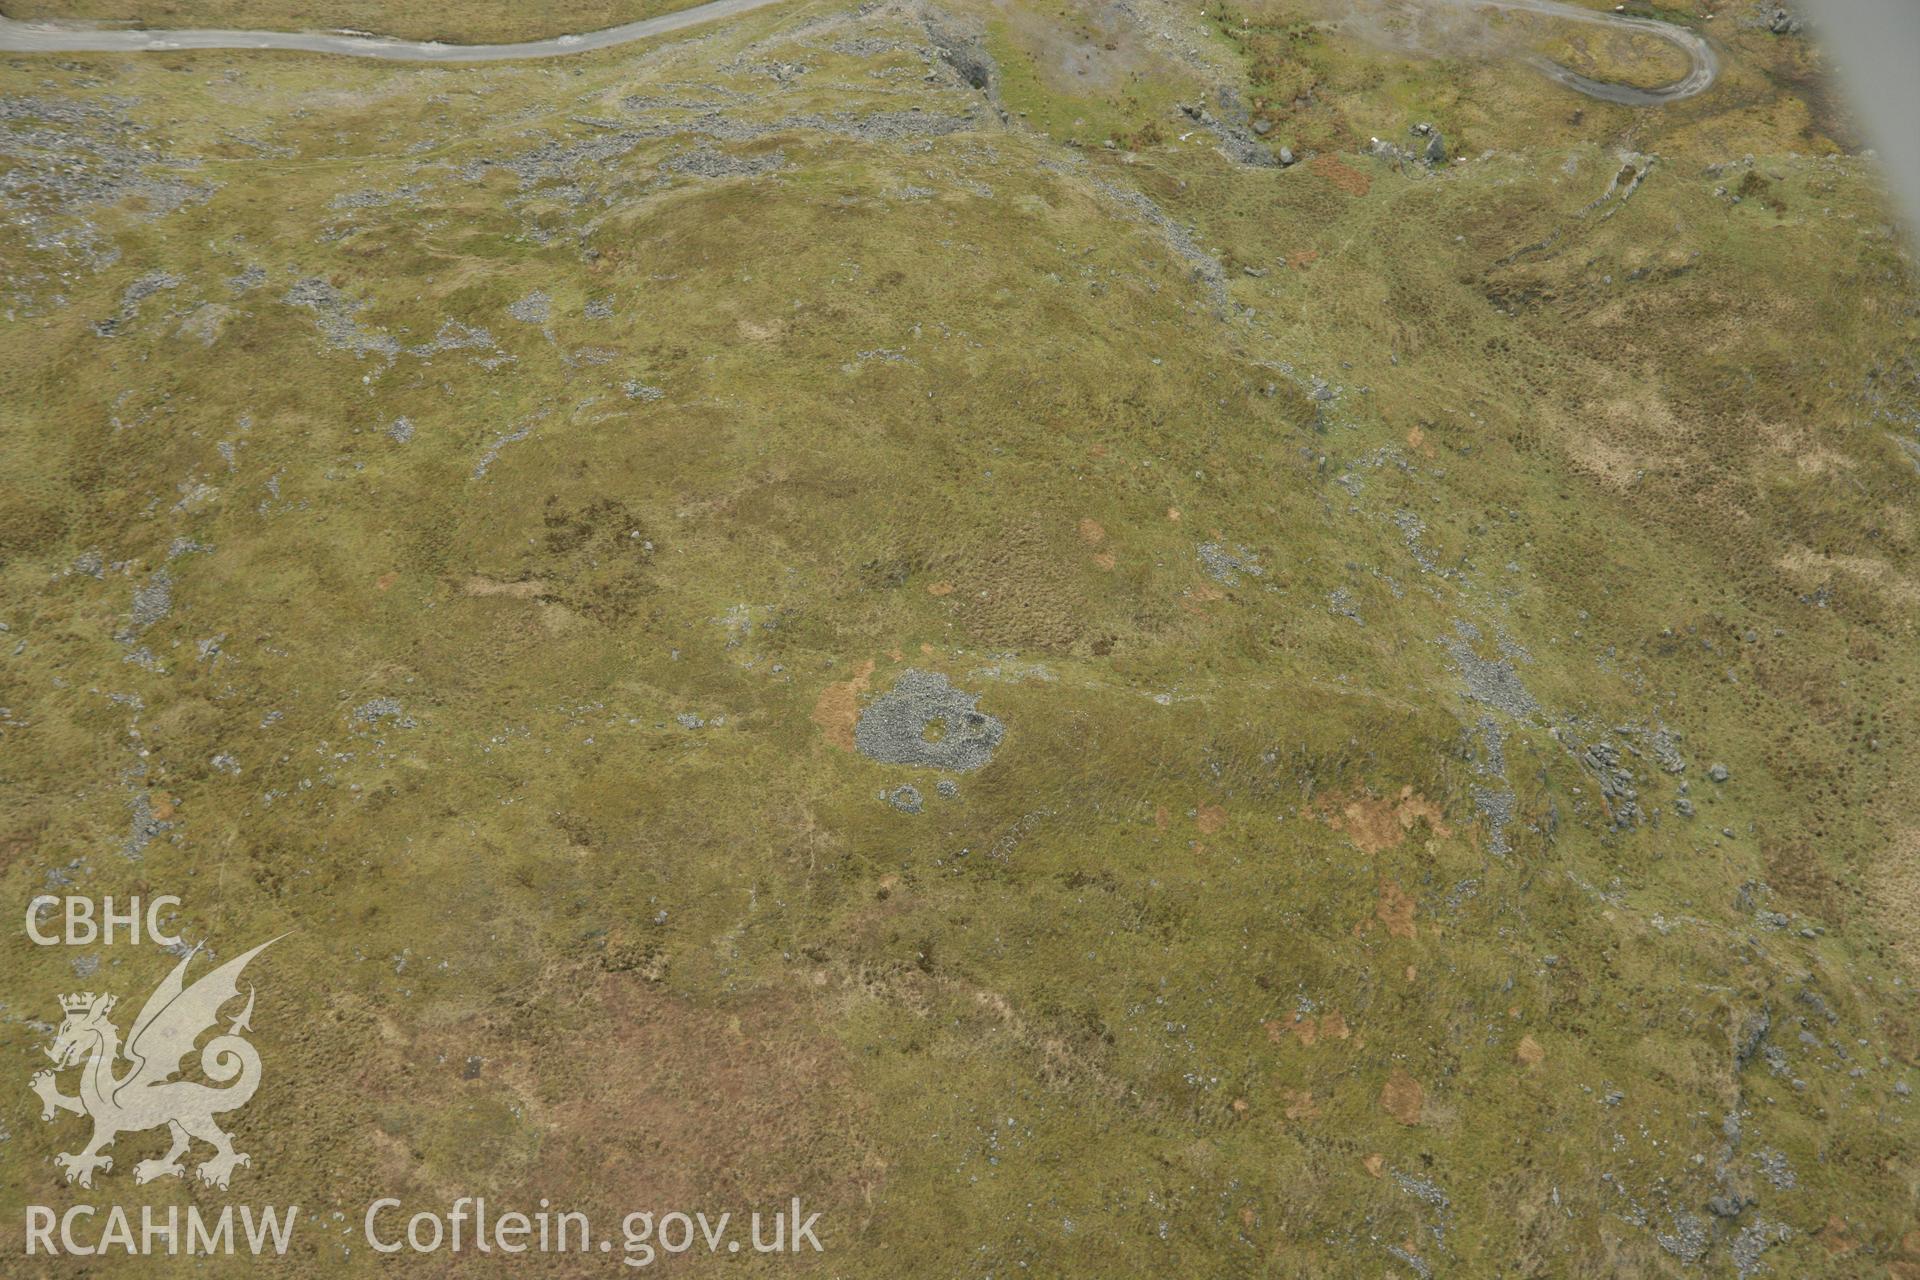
(69, 157)
(152, 601)
(251, 278)
(1816, 1002)
(599, 309)
(205, 323)
(865, 47)
(1411, 528)
(706, 162)
(640, 104)
(375, 710)
(1665, 745)
(1206, 269)
(923, 720)
(1909, 447)
(1491, 681)
(641, 391)
(454, 336)
(1421, 1189)
(873, 126)
(1420, 1265)
(334, 313)
(1689, 1238)
(1225, 567)
(1602, 759)
(947, 788)
(142, 826)
(401, 430)
(375, 199)
(1726, 1206)
(194, 494)
(1237, 142)
(1496, 803)
(1776, 1169)
(136, 293)
(532, 309)
(1718, 772)
(1497, 806)
(1493, 742)
(492, 454)
(1399, 156)
(1755, 1240)
(554, 161)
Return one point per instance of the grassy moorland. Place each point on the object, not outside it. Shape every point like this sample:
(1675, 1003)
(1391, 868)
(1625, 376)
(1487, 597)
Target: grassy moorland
(1452, 628)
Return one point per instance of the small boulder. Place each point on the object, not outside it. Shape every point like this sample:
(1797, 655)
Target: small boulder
(1726, 1206)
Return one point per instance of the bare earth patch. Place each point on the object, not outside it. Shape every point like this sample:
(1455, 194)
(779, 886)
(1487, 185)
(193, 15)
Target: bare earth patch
(1375, 824)
(837, 709)
(1403, 1098)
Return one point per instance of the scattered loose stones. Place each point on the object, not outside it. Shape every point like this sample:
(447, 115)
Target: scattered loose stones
(923, 720)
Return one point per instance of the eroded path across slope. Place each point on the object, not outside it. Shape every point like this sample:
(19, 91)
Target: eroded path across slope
(60, 37)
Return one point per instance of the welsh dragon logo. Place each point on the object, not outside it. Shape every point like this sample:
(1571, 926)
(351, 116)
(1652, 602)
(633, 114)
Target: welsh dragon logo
(144, 1095)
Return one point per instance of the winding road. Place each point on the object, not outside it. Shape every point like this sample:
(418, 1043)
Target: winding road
(65, 37)
(1701, 70)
